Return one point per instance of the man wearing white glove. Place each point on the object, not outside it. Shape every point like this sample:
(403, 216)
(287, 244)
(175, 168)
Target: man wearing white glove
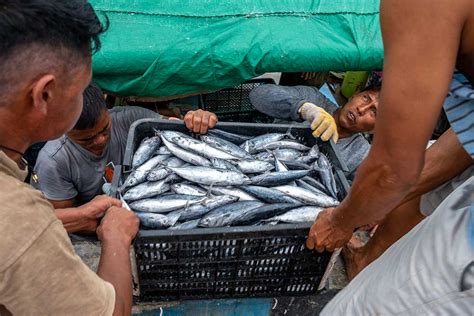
(343, 125)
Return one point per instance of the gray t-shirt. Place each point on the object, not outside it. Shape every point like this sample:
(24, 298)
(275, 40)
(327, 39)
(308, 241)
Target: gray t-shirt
(67, 171)
(283, 102)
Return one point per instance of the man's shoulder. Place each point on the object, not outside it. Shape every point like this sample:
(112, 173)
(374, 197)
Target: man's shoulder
(353, 147)
(126, 111)
(354, 142)
(124, 116)
(25, 215)
(54, 149)
(353, 151)
(57, 152)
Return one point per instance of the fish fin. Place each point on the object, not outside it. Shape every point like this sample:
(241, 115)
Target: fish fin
(209, 191)
(209, 194)
(288, 133)
(284, 164)
(173, 218)
(270, 151)
(245, 146)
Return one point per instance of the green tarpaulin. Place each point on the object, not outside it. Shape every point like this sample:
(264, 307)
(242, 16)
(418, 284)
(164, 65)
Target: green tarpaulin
(175, 47)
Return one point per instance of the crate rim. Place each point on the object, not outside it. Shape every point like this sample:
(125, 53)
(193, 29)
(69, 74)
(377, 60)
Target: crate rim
(128, 156)
(227, 230)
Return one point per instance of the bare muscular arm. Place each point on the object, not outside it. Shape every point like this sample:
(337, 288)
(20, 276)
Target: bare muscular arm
(421, 40)
(62, 204)
(116, 231)
(85, 217)
(420, 54)
(74, 219)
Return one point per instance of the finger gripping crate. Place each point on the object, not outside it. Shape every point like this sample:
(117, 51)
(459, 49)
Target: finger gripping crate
(247, 261)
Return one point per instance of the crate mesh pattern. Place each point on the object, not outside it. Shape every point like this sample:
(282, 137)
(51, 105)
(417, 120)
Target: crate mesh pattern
(232, 100)
(220, 266)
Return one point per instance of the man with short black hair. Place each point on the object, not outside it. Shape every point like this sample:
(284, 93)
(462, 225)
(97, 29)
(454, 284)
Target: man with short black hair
(344, 125)
(70, 170)
(45, 65)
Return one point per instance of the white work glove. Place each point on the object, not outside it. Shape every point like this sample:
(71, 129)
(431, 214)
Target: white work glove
(322, 123)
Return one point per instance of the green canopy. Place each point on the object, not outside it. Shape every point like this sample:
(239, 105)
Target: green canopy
(176, 47)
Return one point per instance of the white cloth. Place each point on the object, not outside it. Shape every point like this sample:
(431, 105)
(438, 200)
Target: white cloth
(431, 200)
(429, 271)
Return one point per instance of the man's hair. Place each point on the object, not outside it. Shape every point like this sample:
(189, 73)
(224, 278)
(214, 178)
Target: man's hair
(93, 107)
(376, 86)
(70, 24)
(44, 36)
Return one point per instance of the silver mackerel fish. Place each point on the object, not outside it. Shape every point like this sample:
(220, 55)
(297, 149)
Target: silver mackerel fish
(211, 176)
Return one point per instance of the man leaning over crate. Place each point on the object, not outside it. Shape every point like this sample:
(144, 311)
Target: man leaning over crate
(344, 125)
(45, 65)
(430, 270)
(70, 170)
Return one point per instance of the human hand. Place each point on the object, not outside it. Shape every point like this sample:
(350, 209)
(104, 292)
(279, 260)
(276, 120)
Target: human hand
(322, 123)
(118, 224)
(200, 121)
(97, 206)
(326, 233)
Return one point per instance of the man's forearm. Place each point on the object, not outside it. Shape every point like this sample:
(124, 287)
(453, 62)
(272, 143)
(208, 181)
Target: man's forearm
(114, 267)
(277, 101)
(74, 219)
(377, 189)
(445, 159)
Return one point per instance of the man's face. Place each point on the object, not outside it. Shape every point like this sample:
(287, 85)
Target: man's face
(94, 139)
(360, 112)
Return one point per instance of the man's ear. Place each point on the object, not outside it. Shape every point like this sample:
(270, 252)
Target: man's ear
(43, 91)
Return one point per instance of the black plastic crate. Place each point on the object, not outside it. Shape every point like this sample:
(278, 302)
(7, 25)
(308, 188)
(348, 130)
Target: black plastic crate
(227, 262)
(245, 261)
(230, 102)
(246, 117)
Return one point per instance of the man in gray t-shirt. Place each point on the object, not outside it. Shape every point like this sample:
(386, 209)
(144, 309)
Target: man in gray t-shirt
(67, 171)
(70, 170)
(356, 116)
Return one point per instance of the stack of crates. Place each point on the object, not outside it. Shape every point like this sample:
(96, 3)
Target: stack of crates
(233, 104)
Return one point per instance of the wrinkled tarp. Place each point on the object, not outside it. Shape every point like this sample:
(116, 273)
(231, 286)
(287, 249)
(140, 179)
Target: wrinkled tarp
(175, 47)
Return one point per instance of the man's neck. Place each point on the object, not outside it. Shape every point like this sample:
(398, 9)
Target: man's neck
(12, 154)
(343, 133)
(12, 142)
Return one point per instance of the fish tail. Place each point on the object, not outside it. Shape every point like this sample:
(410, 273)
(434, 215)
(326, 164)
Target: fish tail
(288, 133)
